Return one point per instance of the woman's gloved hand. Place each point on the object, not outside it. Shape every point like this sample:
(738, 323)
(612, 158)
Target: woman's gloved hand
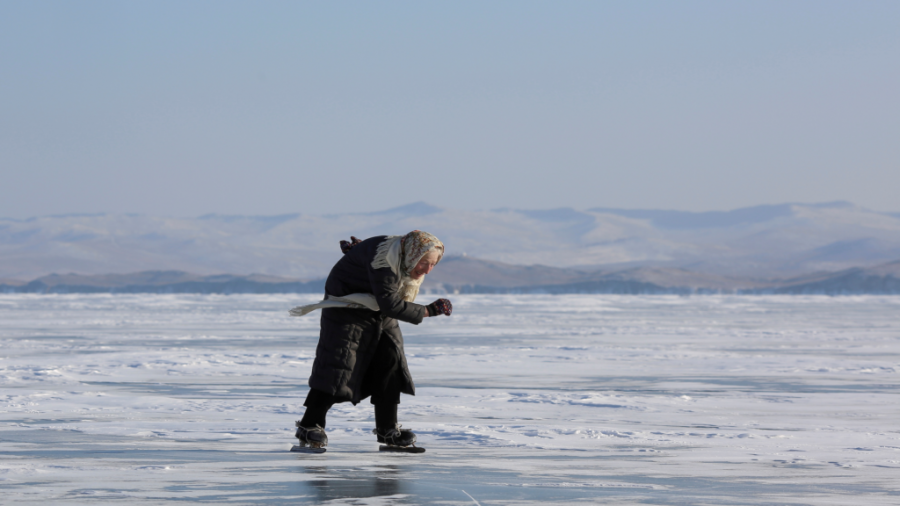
(440, 306)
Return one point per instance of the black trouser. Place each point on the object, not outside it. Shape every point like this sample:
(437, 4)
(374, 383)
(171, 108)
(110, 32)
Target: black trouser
(382, 382)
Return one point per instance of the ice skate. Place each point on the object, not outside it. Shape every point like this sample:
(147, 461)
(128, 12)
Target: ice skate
(395, 439)
(312, 439)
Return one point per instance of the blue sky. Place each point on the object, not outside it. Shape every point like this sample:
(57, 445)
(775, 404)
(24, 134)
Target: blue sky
(186, 108)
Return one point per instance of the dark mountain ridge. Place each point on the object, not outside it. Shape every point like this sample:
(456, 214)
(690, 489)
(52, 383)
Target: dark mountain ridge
(162, 282)
(463, 274)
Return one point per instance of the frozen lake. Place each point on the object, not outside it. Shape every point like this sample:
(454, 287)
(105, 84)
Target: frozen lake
(598, 399)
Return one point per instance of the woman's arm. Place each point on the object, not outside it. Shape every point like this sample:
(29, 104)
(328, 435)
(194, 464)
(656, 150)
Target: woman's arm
(385, 285)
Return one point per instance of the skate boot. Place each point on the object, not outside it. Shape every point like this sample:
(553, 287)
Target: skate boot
(394, 436)
(312, 437)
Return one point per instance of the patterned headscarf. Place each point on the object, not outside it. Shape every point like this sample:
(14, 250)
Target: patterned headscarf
(402, 253)
(416, 245)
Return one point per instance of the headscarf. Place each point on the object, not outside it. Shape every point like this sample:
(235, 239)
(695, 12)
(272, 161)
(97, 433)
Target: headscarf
(402, 254)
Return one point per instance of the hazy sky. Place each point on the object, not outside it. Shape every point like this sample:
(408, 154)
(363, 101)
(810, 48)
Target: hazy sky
(185, 108)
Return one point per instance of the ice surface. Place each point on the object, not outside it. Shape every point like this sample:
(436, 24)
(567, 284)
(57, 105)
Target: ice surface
(521, 400)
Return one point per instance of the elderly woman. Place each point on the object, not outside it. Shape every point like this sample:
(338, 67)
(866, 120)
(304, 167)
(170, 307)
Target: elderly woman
(360, 350)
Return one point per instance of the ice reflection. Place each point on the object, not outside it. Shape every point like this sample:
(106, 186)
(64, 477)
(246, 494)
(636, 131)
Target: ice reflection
(331, 484)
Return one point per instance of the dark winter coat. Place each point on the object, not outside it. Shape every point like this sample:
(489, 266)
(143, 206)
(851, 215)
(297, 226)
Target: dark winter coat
(349, 337)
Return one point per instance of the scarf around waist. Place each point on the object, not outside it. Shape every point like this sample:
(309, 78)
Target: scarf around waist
(352, 301)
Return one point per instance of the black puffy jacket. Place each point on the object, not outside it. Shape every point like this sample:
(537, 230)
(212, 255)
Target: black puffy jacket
(348, 337)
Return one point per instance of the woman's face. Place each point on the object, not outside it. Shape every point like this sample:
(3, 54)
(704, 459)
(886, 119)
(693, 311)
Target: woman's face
(426, 264)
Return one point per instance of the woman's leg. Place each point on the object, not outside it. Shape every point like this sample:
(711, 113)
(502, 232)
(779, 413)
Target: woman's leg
(385, 384)
(386, 415)
(317, 405)
(311, 429)
(383, 379)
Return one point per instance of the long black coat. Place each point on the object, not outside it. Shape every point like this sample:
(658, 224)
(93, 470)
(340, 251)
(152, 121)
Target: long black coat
(349, 337)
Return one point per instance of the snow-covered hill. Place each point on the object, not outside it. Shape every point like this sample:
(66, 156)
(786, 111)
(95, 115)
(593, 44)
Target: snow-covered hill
(781, 240)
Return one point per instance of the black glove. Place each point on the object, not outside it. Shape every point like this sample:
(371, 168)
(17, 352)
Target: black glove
(440, 306)
(347, 246)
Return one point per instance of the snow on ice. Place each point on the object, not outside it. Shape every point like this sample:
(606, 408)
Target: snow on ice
(521, 400)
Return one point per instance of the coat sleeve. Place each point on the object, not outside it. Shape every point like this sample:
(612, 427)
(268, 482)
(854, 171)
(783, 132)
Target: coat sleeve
(384, 287)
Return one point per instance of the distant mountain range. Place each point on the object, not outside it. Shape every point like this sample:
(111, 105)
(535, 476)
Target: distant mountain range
(463, 274)
(765, 242)
(161, 282)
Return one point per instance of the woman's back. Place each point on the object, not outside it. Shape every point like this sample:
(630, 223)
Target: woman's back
(351, 273)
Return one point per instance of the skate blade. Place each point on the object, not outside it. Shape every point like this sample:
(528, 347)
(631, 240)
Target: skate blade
(401, 449)
(306, 449)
